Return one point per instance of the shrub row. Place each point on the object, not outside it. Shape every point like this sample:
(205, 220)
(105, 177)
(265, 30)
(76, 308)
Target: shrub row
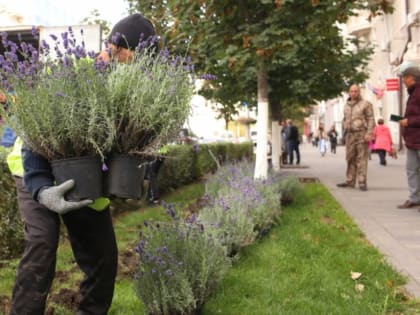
(185, 164)
(182, 261)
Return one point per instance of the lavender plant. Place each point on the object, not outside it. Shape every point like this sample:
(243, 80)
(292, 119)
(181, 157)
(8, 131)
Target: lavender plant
(149, 98)
(60, 106)
(242, 208)
(180, 266)
(289, 186)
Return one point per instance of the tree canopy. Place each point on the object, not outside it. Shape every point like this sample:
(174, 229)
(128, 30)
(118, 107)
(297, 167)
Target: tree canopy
(299, 42)
(286, 53)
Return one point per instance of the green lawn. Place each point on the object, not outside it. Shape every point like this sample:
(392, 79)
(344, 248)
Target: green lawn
(301, 267)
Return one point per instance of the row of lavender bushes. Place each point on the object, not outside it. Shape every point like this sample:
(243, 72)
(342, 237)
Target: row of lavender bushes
(184, 259)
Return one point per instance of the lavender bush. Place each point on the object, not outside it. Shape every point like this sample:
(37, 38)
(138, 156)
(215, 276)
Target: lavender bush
(67, 104)
(241, 208)
(149, 98)
(182, 262)
(180, 266)
(60, 109)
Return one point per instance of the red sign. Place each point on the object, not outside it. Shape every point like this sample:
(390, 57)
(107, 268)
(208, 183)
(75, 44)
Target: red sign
(392, 84)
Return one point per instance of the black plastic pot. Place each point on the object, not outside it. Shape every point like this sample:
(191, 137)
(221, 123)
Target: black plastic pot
(125, 176)
(85, 171)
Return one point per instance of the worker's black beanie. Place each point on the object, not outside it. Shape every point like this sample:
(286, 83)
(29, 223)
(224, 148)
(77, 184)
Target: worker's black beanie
(131, 30)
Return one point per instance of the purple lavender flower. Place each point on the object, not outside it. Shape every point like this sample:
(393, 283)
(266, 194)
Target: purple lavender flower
(64, 36)
(71, 31)
(34, 32)
(170, 209)
(164, 53)
(191, 219)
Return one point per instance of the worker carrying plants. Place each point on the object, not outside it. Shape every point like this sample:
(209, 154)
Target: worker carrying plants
(89, 225)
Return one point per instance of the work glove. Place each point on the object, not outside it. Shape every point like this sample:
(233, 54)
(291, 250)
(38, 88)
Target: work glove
(53, 198)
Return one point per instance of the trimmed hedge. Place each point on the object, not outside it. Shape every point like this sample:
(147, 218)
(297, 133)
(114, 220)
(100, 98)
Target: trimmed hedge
(185, 164)
(11, 226)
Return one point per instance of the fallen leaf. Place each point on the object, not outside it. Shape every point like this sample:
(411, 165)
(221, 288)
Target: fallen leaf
(355, 275)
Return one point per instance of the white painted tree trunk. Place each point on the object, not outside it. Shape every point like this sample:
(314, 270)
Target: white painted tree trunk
(275, 145)
(261, 164)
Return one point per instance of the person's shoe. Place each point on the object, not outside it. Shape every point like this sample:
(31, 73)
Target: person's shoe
(363, 188)
(408, 204)
(343, 185)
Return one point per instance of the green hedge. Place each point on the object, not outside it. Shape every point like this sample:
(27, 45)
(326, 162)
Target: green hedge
(187, 163)
(11, 227)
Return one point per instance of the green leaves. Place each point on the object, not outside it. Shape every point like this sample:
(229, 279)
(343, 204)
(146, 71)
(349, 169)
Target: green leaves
(298, 40)
(149, 100)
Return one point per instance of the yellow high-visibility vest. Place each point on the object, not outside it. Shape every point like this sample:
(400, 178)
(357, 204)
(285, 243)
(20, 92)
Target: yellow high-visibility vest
(14, 159)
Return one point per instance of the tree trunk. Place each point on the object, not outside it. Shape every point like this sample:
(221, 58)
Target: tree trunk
(275, 135)
(261, 165)
(275, 145)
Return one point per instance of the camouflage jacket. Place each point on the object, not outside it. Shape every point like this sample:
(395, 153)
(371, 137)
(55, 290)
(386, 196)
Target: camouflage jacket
(358, 117)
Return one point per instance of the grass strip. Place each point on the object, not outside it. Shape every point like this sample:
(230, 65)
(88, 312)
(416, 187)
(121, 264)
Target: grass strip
(304, 266)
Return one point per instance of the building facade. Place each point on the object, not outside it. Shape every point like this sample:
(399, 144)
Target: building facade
(396, 39)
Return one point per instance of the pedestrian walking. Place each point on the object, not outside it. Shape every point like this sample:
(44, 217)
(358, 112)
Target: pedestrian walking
(333, 136)
(292, 135)
(358, 124)
(322, 138)
(383, 141)
(411, 134)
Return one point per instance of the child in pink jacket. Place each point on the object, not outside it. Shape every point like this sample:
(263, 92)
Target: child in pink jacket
(383, 141)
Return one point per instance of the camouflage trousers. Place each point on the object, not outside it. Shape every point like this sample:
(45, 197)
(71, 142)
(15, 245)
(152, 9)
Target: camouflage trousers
(357, 155)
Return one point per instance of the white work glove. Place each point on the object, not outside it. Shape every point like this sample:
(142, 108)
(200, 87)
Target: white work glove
(53, 198)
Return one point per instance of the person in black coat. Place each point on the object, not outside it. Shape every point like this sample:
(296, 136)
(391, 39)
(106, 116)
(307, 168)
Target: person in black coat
(292, 136)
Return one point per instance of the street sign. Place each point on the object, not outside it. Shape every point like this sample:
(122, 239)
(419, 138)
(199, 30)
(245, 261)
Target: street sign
(392, 84)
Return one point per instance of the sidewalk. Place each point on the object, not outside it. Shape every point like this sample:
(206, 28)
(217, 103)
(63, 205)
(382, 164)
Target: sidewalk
(395, 232)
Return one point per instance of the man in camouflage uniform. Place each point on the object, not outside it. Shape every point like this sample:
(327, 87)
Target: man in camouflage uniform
(358, 124)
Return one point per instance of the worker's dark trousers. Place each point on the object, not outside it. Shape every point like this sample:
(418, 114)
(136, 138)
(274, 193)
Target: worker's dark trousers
(152, 174)
(92, 238)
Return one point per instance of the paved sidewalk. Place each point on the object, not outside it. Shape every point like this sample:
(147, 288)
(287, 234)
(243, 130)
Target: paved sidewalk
(395, 232)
